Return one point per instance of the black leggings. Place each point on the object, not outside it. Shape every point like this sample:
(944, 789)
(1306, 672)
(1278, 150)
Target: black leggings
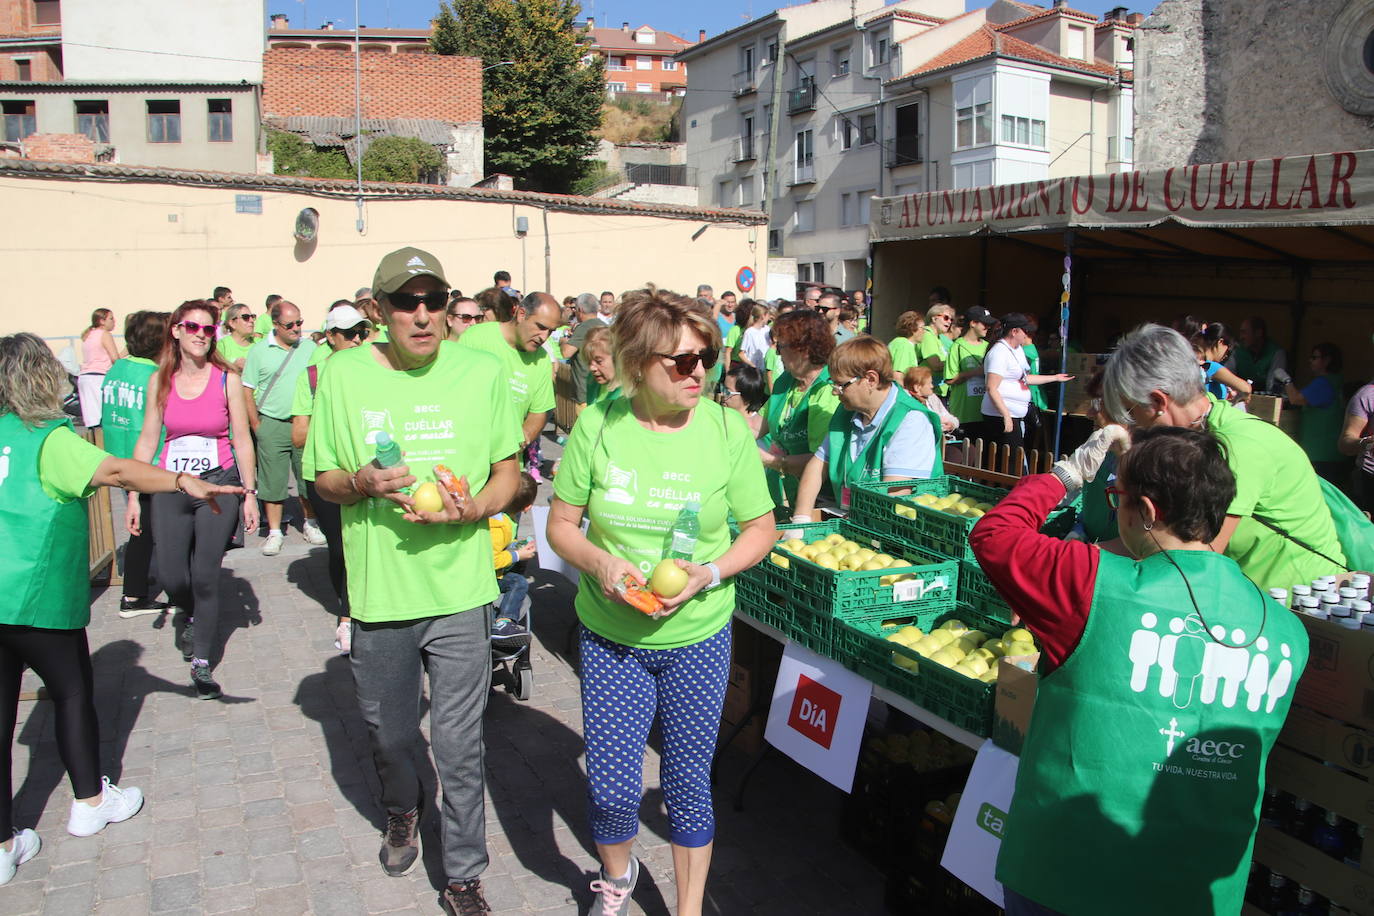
(139, 578)
(63, 660)
(328, 517)
(190, 544)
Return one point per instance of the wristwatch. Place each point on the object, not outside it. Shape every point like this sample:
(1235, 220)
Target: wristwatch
(715, 577)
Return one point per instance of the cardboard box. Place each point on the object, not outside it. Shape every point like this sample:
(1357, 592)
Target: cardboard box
(1266, 407)
(1339, 679)
(1307, 865)
(1081, 366)
(1014, 702)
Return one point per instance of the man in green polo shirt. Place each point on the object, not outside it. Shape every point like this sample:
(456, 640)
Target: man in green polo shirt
(421, 583)
(519, 343)
(269, 373)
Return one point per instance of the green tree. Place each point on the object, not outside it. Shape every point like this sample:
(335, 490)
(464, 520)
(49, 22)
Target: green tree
(293, 156)
(407, 159)
(541, 112)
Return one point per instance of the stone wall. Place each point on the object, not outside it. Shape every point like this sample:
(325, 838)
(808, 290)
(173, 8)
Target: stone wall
(1219, 80)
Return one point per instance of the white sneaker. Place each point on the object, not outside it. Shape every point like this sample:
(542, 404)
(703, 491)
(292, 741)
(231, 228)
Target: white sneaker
(26, 846)
(116, 805)
(272, 546)
(313, 534)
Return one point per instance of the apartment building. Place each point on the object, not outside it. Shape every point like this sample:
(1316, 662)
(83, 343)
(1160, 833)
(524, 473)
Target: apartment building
(643, 60)
(146, 83)
(809, 112)
(280, 34)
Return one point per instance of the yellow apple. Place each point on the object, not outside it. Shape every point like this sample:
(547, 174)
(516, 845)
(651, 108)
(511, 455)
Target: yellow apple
(947, 657)
(945, 637)
(910, 635)
(975, 513)
(780, 560)
(977, 636)
(852, 562)
(828, 561)
(986, 655)
(1021, 648)
(866, 553)
(927, 646)
(958, 627)
(976, 662)
(882, 558)
(995, 646)
(870, 566)
(989, 676)
(903, 661)
(668, 579)
(427, 498)
(1018, 634)
(794, 544)
(834, 538)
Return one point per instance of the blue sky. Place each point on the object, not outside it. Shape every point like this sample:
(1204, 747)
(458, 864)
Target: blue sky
(715, 16)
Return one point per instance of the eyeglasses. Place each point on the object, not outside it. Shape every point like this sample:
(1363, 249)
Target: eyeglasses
(726, 394)
(825, 308)
(839, 387)
(468, 319)
(436, 301)
(1113, 495)
(355, 333)
(684, 363)
(195, 327)
(299, 322)
(244, 316)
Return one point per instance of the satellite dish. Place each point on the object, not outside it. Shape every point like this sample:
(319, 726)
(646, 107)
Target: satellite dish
(307, 224)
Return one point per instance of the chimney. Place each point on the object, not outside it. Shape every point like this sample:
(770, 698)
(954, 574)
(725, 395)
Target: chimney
(1116, 14)
(624, 27)
(591, 23)
(1060, 4)
(1135, 19)
(701, 35)
(279, 21)
(328, 26)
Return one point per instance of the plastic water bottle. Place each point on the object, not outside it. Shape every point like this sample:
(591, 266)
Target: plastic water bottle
(1330, 836)
(1333, 607)
(686, 531)
(388, 451)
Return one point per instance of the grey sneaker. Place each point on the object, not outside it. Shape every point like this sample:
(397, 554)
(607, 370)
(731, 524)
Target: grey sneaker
(401, 849)
(464, 899)
(204, 681)
(613, 896)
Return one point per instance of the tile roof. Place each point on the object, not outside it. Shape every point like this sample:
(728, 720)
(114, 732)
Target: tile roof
(618, 40)
(908, 15)
(330, 187)
(1040, 13)
(341, 132)
(990, 42)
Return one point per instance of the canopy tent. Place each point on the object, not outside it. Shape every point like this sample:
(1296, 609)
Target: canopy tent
(1272, 237)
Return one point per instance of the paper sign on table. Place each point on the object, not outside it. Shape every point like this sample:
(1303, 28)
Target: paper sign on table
(817, 716)
(975, 838)
(548, 560)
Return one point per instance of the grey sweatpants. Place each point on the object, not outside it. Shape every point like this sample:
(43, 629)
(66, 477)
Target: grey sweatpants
(389, 661)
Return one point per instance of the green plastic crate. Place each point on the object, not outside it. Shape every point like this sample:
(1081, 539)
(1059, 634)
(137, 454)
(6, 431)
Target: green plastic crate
(976, 591)
(812, 628)
(861, 646)
(857, 594)
(872, 507)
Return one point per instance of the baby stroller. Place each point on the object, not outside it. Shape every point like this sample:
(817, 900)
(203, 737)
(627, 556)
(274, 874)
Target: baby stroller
(512, 662)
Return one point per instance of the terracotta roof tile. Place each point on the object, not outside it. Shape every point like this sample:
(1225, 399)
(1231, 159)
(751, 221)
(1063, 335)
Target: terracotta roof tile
(989, 42)
(1040, 13)
(618, 40)
(907, 15)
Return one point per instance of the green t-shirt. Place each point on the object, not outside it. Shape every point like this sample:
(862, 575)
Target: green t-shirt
(231, 349)
(121, 404)
(530, 374)
(1274, 479)
(634, 482)
(262, 325)
(454, 411)
(66, 465)
(966, 398)
(772, 362)
(732, 341)
(261, 365)
(928, 346)
(303, 399)
(1032, 355)
(903, 354)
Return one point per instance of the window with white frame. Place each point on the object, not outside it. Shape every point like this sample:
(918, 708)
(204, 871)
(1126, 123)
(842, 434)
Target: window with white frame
(864, 199)
(972, 112)
(669, 64)
(839, 62)
(616, 63)
(804, 217)
(806, 152)
(1023, 131)
(645, 36)
(1076, 43)
(746, 136)
(615, 87)
(861, 130)
(746, 59)
(644, 87)
(643, 62)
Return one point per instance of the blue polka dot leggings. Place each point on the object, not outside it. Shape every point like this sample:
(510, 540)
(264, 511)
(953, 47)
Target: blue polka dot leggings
(623, 689)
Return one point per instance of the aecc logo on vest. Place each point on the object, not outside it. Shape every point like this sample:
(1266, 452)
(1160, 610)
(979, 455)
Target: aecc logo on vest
(1201, 750)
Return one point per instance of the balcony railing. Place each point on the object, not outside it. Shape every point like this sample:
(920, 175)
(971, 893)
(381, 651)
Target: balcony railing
(746, 82)
(905, 151)
(804, 172)
(744, 149)
(803, 98)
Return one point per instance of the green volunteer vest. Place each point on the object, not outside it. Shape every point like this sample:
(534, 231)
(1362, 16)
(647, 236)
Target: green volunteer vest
(966, 398)
(1033, 360)
(1097, 517)
(1143, 769)
(790, 432)
(846, 471)
(121, 411)
(44, 568)
(1255, 368)
(1321, 426)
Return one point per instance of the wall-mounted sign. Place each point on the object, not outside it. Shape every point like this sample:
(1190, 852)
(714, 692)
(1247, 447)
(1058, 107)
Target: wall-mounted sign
(248, 203)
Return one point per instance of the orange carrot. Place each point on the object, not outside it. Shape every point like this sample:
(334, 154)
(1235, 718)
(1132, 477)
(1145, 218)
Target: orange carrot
(638, 597)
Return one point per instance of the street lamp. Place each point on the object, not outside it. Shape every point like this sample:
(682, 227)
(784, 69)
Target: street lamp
(504, 63)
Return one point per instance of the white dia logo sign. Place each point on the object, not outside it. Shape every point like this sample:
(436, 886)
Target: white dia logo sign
(1172, 732)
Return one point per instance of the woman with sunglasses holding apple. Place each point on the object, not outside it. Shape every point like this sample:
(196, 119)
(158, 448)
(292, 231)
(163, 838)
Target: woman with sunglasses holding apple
(631, 466)
(195, 402)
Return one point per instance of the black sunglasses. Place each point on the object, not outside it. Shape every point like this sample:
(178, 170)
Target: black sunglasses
(292, 324)
(468, 319)
(684, 363)
(245, 316)
(356, 333)
(436, 301)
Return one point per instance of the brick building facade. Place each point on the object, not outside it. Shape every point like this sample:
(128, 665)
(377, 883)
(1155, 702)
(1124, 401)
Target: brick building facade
(641, 60)
(299, 82)
(30, 40)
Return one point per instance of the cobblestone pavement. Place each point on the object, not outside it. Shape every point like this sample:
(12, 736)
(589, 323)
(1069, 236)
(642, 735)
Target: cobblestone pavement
(266, 801)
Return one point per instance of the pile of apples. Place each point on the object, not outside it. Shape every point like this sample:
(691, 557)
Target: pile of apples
(922, 750)
(953, 504)
(835, 552)
(953, 644)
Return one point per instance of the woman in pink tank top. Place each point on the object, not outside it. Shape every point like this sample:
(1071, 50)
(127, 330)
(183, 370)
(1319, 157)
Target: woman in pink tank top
(98, 353)
(196, 402)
